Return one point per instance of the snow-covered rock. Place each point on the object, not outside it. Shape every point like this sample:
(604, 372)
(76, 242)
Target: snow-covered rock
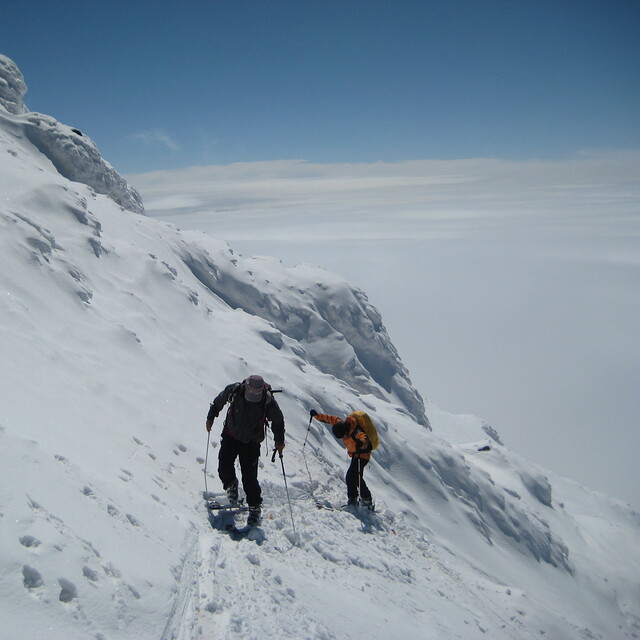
(73, 154)
(12, 87)
(116, 331)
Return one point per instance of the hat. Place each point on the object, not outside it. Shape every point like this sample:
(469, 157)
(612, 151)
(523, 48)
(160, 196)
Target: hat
(253, 388)
(339, 429)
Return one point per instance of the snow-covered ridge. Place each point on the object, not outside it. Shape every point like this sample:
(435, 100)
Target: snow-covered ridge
(116, 332)
(73, 154)
(341, 333)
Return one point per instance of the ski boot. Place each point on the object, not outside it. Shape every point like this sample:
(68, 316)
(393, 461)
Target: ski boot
(232, 493)
(254, 516)
(367, 504)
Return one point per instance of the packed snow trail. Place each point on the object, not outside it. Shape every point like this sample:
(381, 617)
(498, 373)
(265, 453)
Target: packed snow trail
(357, 568)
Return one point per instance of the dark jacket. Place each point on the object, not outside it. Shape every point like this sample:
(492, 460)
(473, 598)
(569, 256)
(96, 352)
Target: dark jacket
(246, 421)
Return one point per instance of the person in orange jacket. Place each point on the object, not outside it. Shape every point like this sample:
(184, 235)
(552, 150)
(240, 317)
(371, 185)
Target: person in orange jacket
(358, 447)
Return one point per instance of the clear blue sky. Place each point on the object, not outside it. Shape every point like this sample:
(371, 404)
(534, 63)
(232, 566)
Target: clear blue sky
(169, 84)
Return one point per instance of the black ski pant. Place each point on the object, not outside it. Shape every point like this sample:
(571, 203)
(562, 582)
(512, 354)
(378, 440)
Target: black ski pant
(355, 482)
(248, 454)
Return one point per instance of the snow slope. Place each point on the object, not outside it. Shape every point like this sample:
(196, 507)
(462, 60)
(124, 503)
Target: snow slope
(117, 331)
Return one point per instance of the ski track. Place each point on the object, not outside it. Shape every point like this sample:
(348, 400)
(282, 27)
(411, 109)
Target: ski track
(240, 593)
(258, 587)
(182, 609)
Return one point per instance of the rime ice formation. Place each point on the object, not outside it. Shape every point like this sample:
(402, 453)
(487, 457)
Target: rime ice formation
(12, 87)
(74, 155)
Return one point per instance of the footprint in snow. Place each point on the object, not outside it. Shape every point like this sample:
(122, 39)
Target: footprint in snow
(133, 520)
(87, 491)
(29, 541)
(31, 577)
(68, 591)
(90, 574)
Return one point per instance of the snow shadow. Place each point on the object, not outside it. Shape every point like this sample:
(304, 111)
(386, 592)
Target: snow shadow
(233, 525)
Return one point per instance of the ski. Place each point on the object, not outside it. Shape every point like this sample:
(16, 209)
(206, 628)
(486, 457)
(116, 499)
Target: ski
(213, 505)
(326, 506)
(351, 508)
(222, 516)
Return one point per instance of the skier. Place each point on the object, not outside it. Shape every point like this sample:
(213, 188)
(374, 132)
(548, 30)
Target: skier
(251, 405)
(359, 448)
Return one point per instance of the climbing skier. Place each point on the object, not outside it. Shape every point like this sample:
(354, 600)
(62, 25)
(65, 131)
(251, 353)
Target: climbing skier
(251, 406)
(359, 446)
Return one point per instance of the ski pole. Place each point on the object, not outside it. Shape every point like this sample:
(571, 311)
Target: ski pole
(286, 487)
(206, 458)
(304, 444)
(304, 457)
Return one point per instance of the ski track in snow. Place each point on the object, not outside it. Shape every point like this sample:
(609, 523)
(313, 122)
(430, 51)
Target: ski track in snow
(260, 586)
(256, 587)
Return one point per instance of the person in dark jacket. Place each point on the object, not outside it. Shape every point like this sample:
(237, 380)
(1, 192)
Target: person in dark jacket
(251, 406)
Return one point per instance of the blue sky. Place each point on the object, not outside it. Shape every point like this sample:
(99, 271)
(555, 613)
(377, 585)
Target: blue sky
(161, 85)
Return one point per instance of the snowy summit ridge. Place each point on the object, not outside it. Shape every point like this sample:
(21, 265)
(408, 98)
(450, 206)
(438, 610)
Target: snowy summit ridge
(73, 154)
(116, 332)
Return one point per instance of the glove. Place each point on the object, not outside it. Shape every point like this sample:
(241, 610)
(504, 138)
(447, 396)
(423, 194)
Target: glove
(280, 447)
(209, 425)
(313, 412)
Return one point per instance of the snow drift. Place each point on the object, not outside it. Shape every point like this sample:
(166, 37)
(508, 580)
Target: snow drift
(117, 332)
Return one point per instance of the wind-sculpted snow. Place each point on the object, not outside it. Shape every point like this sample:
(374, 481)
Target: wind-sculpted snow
(73, 154)
(342, 334)
(77, 158)
(117, 331)
(12, 87)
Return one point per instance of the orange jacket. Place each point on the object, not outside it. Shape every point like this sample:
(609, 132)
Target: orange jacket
(355, 439)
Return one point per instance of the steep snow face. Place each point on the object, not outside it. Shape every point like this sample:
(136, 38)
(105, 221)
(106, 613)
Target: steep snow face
(116, 332)
(340, 332)
(73, 154)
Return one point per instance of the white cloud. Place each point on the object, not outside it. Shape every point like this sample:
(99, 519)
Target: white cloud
(156, 136)
(406, 199)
